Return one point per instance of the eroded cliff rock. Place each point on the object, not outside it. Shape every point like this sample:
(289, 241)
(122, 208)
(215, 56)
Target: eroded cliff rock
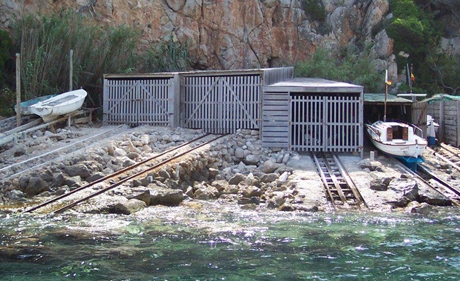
(232, 34)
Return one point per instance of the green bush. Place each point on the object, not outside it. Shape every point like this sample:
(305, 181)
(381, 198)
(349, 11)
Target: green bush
(5, 55)
(354, 66)
(168, 56)
(314, 9)
(7, 102)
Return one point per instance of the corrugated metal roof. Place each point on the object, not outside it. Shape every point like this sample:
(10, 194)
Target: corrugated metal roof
(439, 97)
(312, 85)
(380, 98)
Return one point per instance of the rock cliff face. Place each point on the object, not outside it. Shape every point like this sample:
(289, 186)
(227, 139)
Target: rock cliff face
(231, 34)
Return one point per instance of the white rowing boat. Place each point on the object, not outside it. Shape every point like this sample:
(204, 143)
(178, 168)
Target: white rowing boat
(62, 104)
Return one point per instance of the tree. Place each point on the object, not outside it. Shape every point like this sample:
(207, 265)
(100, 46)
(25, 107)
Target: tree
(446, 67)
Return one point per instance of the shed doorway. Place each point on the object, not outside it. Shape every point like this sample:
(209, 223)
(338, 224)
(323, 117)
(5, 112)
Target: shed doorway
(324, 122)
(221, 104)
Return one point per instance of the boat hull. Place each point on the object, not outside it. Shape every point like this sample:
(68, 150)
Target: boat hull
(25, 105)
(406, 150)
(62, 104)
(411, 146)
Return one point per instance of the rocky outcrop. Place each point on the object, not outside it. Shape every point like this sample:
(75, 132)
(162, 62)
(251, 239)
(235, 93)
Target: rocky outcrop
(226, 34)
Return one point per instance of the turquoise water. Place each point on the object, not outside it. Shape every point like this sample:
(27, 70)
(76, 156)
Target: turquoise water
(231, 246)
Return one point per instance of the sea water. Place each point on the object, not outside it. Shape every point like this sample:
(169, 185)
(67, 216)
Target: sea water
(231, 245)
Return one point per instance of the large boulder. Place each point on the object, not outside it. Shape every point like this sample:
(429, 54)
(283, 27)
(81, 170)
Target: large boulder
(237, 178)
(165, 196)
(128, 207)
(270, 166)
(380, 184)
(78, 170)
(35, 186)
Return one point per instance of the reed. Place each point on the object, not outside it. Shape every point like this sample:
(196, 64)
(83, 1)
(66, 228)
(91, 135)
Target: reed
(45, 43)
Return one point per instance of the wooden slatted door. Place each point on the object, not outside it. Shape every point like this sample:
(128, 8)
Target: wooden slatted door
(137, 102)
(306, 129)
(220, 104)
(325, 123)
(343, 126)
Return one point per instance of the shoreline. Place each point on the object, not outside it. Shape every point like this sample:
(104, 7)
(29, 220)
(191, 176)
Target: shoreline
(296, 186)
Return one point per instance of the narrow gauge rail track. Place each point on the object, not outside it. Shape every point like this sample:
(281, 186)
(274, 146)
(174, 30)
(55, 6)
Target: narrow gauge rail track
(448, 154)
(442, 187)
(15, 169)
(131, 172)
(339, 187)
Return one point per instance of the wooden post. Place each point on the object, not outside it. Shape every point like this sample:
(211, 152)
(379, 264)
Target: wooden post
(174, 101)
(18, 89)
(386, 94)
(71, 71)
(457, 141)
(441, 121)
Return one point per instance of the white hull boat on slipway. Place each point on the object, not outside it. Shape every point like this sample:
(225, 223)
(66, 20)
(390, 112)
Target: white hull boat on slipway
(396, 139)
(62, 104)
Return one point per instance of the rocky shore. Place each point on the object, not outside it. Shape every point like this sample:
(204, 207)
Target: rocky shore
(235, 170)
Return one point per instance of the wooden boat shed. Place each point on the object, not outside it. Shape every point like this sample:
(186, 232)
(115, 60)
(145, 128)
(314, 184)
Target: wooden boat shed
(301, 114)
(311, 114)
(445, 109)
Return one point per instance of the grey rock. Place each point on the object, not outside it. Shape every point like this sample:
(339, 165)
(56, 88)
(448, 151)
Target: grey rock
(72, 182)
(127, 208)
(270, 166)
(251, 159)
(380, 184)
(19, 152)
(142, 194)
(164, 174)
(204, 191)
(236, 179)
(95, 176)
(15, 194)
(118, 152)
(423, 209)
(250, 191)
(133, 155)
(239, 153)
(35, 186)
(266, 178)
(78, 170)
(164, 196)
(371, 165)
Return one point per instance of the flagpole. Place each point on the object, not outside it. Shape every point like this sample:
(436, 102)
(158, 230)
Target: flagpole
(410, 77)
(386, 93)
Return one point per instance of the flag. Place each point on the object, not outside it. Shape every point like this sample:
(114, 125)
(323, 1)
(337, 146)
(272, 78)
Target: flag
(388, 82)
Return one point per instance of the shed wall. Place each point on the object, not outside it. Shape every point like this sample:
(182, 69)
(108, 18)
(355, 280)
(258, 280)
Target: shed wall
(220, 104)
(275, 120)
(137, 101)
(447, 114)
(215, 101)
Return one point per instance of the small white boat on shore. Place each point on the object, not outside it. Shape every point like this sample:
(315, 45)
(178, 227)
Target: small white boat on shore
(396, 138)
(62, 104)
(25, 105)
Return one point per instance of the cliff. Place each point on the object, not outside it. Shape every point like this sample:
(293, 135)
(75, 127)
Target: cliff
(232, 34)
